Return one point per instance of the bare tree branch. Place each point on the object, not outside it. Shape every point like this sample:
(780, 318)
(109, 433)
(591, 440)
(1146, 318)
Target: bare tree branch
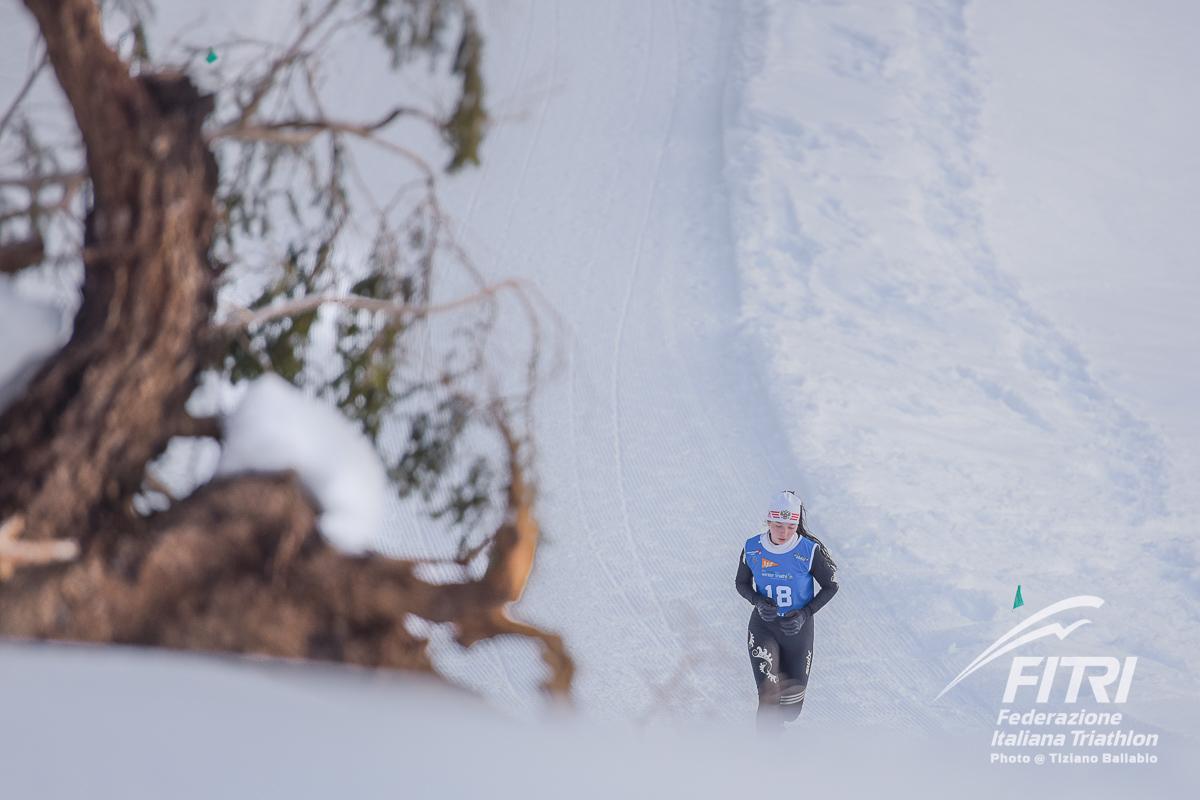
(199, 427)
(71, 184)
(289, 56)
(24, 90)
(14, 553)
(248, 318)
(296, 133)
(155, 485)
(495, 622)
(16, 256)
(320, 125)
(34, 183)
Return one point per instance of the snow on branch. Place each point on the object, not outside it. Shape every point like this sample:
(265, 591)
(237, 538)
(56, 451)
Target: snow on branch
(278, 428)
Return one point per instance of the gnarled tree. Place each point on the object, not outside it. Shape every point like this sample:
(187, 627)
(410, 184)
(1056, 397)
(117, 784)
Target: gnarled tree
(171, 185)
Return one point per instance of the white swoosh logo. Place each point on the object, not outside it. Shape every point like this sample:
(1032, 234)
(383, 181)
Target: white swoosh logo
(1006, 642)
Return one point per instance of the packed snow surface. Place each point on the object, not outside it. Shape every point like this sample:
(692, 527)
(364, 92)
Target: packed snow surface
(794, 246)
(29, 332)
(931, 263)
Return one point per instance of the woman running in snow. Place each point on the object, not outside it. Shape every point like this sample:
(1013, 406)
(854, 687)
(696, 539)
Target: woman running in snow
(776, 574)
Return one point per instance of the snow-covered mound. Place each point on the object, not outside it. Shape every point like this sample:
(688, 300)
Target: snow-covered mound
(278, 427)
(142, 724)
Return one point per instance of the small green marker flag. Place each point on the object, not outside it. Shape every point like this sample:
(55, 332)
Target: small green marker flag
(212, 56)
(1017, 601)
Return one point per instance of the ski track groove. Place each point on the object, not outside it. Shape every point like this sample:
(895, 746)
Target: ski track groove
(429, 546)
(556, 36)
(864, 598)
(590, 533)
(522, 178)
(703, 567)
(487, 162)
(493, 655)
(720, 443)
(623, 320)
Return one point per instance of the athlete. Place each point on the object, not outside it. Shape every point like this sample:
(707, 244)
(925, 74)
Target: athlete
(775, 574)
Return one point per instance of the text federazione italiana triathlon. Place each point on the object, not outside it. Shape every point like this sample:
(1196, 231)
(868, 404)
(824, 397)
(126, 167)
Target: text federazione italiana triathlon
(1077, 736)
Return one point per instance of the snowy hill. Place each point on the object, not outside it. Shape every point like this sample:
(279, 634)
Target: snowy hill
(779, 262)
(951, 428)
(927, 262)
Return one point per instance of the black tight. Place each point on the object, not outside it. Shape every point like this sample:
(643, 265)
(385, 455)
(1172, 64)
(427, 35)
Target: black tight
(781, 664)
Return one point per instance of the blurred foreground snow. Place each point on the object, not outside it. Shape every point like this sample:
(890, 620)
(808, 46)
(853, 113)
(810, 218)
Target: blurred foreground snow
(109, 722)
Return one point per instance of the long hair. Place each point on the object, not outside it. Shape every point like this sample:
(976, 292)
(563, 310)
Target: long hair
(803, 530)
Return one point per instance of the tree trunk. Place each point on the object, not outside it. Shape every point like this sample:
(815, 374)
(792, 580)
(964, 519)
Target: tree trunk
(238, 565)
(91, 420)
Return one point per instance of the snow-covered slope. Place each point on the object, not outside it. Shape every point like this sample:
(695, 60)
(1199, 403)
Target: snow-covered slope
(660, 444)
(767, 228)
(868, 252)
(951, 428)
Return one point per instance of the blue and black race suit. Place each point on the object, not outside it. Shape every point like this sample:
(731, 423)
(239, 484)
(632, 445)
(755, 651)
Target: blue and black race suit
(781, 655)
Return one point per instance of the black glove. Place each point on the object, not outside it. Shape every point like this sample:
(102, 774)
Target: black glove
(766, 609)
(792, 622)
